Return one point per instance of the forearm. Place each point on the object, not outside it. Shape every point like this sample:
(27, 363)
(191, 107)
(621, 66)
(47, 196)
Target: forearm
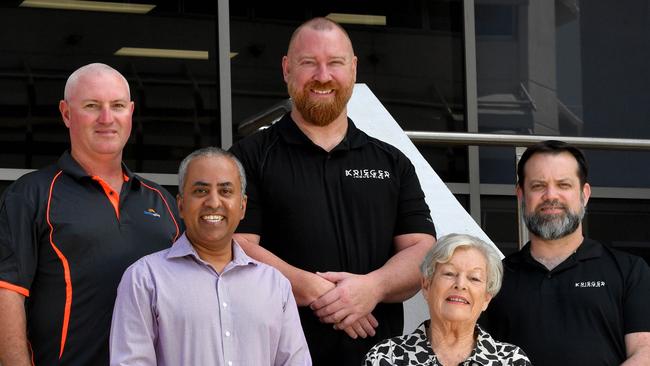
(637, 348)
(638, 359)
(306, 286)
(13, 337)
(399, 279)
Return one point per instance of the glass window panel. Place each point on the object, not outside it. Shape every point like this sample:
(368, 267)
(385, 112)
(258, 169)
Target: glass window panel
(566, 68)
(499, 221)
(177, 100)
(606, 218)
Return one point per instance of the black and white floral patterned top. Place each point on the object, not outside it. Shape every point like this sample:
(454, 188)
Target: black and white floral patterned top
(415, 349)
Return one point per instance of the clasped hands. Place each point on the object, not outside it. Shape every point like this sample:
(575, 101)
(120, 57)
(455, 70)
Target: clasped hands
(348, 305)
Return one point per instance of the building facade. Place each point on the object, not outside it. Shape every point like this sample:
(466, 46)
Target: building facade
(199, 71)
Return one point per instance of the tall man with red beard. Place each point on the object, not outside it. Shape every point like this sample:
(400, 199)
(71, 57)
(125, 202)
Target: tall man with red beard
(566, 299)
(339, 213)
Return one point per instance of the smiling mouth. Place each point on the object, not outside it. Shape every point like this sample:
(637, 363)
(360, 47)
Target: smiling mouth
(322, 92)
(457, 299)
(212, 218)
(552, 209)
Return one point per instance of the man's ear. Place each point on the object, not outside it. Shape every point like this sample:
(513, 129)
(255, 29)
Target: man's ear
(179, 203)
(244, 201)
(586, 193)
(64, 108)
(285, 68)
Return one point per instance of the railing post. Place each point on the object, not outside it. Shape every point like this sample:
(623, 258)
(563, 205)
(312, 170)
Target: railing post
(523, 231)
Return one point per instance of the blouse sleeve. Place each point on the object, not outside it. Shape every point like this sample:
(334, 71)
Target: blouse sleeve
(380, 355)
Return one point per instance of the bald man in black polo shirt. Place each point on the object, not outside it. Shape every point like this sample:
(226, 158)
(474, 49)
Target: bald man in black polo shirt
(339, 213)
(68, 231)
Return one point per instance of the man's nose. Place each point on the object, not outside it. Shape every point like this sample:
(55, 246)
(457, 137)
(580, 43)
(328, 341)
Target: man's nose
(105, 114)
(213, 200)
(323, 74)
(550, 193)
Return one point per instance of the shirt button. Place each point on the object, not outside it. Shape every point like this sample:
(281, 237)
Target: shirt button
(229, 363)
(227, 334)
(224, 304)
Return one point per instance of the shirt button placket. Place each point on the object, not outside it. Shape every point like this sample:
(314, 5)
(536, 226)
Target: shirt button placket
(226, 320)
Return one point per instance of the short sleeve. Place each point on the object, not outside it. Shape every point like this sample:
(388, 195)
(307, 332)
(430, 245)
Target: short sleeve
(637, 297)
(252, 221)
(19, 241)
(380, 354)
(413, 215)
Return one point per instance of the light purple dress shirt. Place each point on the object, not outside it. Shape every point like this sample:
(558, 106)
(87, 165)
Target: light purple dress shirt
(173, 308)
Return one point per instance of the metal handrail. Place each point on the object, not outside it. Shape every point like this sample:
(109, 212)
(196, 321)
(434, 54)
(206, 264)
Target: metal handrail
(494, 139)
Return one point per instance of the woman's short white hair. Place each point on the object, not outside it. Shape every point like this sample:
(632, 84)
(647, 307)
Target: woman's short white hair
(444, 249)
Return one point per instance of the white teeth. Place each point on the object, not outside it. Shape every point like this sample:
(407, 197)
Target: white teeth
(215, 218)
(322, 91)
(457, 299)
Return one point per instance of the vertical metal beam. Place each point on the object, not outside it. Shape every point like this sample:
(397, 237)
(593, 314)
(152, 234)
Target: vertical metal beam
(471, 111)
(521, 225)
(225, 96)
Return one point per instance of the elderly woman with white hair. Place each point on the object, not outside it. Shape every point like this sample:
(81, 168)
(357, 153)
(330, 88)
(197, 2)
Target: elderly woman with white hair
(460, 275)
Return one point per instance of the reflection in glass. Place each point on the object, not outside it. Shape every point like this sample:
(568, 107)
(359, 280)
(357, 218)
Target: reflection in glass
(565, 68)
(176, 99)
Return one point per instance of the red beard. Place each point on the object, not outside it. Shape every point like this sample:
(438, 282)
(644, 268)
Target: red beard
(320, 112)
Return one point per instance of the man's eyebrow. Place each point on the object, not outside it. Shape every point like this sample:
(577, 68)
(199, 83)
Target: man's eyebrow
(200, 183)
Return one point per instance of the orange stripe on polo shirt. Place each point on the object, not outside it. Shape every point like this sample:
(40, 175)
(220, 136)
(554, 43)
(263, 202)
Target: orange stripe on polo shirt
(168, 209)
(21, 290)
(66, 270)
(113, 197)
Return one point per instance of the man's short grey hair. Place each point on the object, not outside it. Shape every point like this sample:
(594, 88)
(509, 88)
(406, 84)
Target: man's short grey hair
(71, 83)
(213, 152)
(444, 249)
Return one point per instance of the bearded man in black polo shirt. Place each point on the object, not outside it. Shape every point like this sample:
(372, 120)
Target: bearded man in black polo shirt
(566, 299)
(339, 213)
(68, 231)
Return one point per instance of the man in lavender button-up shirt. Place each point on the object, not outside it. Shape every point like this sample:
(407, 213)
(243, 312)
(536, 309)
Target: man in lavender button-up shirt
(204, 301)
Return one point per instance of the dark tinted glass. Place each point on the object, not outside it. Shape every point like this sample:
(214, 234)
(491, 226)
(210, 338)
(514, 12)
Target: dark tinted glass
(566, 68)
(177, 100)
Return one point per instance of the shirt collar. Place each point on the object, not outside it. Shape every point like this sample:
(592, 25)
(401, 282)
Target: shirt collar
(290, 133)
(183, 248)
(588, 249)
(485, 345)
(72, 168)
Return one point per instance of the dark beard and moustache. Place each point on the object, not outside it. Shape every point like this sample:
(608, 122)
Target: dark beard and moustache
(320, 113)
(553, 226)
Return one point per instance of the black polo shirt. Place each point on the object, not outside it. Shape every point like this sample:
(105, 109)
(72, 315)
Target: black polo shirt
(331, 211)
(576, 314)
(63, 246)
